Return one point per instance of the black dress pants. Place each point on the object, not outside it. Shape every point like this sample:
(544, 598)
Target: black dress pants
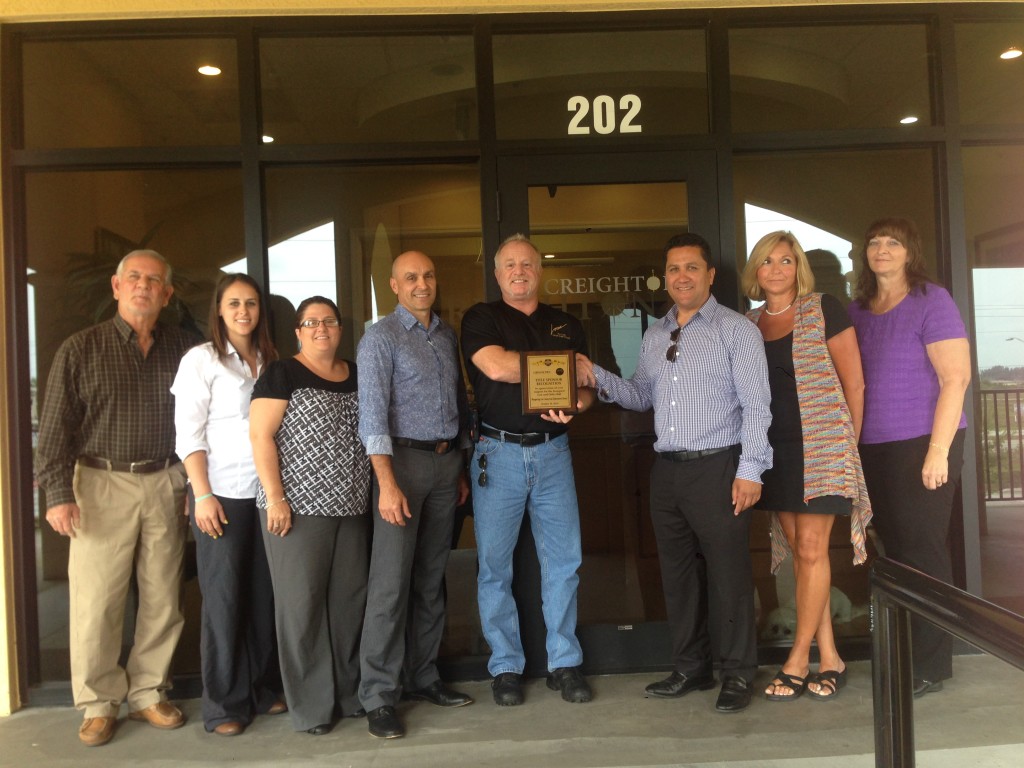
(238, 646)
(913, 523)
(691, 510)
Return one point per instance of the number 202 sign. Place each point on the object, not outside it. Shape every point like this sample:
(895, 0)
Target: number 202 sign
(603, 115)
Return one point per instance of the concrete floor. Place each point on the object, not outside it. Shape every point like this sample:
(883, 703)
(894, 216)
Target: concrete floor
(977, 721)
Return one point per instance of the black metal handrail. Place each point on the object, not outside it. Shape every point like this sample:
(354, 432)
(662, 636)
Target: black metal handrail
(897, 591)
(1002, 443)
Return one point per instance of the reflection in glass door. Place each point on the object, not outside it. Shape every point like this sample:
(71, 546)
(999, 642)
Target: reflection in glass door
(601, 224)
(995, 245)
(602, 247)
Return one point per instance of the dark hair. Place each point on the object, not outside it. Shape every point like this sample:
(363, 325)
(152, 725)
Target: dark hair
(305, 304)
(906, 232)
(260, 334)
(690, 240)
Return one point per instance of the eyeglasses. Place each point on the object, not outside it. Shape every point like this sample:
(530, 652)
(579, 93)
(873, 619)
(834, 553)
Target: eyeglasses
(312, 322)
(482, 463)
(673, 352)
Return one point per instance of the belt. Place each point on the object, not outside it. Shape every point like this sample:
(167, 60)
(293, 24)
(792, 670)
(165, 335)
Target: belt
(434, 446)
(524, 439)
(691, 455)
(134, 467)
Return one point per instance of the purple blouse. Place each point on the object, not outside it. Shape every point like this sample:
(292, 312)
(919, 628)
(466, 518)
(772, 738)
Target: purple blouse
(901, 386)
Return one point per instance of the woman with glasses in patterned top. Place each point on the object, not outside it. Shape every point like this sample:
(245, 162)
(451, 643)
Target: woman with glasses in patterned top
(313, 500)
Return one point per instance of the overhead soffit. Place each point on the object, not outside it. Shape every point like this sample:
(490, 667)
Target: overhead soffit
(75, 10)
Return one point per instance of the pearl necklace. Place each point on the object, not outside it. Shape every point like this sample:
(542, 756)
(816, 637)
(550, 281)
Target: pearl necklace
(784, 309)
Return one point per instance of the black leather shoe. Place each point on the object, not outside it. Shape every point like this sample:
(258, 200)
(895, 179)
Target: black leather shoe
(508, 690)
(383, 723)
(677, 684)
(734, 696)
(320, 730)
(437, 693)
(921, 687)
(569, 680)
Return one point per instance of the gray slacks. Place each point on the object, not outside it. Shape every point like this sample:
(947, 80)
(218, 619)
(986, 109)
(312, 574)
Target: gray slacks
(405, 597)
(319, 575)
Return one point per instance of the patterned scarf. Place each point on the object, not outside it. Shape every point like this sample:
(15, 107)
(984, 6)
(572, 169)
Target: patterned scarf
(831, 461)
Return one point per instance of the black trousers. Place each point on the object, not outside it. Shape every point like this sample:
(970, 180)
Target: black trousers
(691, 510)
(913, 524)
(238, 647)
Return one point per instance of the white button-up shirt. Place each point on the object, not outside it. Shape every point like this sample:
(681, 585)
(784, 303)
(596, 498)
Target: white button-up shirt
(211, 414)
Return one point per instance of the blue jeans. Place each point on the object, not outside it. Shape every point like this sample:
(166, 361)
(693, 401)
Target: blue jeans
(538, 480)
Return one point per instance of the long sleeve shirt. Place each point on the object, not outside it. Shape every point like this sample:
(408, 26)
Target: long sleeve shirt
(410, 383)
(713, 395)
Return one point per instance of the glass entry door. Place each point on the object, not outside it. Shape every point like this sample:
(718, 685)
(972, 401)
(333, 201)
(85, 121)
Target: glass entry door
(601, 222)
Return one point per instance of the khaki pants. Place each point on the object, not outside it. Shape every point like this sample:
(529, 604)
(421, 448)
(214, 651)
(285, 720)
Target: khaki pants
(127, 520)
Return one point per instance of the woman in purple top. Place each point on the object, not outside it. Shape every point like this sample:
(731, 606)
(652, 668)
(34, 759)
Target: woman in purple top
(917, 367)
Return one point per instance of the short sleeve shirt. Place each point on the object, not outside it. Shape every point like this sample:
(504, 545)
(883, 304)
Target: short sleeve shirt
(500, 404)
(324, 469)
(786, 424)
(902, 388)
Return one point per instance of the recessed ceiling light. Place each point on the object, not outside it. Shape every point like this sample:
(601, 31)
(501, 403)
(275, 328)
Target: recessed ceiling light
(209, 70)
(1012, 52)
(268, 139)
(908, 120)
(549, 255)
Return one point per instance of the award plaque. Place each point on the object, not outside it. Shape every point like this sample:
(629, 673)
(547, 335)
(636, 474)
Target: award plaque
(549, 381)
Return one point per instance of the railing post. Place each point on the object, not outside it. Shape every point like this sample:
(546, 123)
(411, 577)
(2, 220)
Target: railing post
(893, 685)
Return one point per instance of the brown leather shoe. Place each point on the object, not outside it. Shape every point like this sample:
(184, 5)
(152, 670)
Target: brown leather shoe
(161, 715)
(232, 728)
(277, 708)
(97, 731)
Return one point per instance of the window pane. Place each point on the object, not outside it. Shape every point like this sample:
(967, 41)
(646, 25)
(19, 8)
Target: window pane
(127, 93)
(359, 220)
(819, 78)
(993, 186)
(79, 225)
(368, 89)
(599, 84)
(990, 86)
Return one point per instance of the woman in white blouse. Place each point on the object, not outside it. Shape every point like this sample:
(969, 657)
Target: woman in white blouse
(240, 670)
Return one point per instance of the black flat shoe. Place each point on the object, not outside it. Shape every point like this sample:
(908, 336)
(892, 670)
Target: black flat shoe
(508, 690)
(383, 723)
(320, 730)
(436, 693)
(921, 687)
(734, 696)
(570, 681)
(677, 684)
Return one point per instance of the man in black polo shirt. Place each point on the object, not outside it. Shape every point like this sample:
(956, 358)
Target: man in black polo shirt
(522, 463)
(114, 486)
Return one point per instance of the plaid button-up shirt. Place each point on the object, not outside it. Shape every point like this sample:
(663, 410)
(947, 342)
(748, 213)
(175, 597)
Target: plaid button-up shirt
(104, 399)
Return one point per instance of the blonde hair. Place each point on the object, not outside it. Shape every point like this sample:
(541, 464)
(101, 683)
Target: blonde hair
(761, 251)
